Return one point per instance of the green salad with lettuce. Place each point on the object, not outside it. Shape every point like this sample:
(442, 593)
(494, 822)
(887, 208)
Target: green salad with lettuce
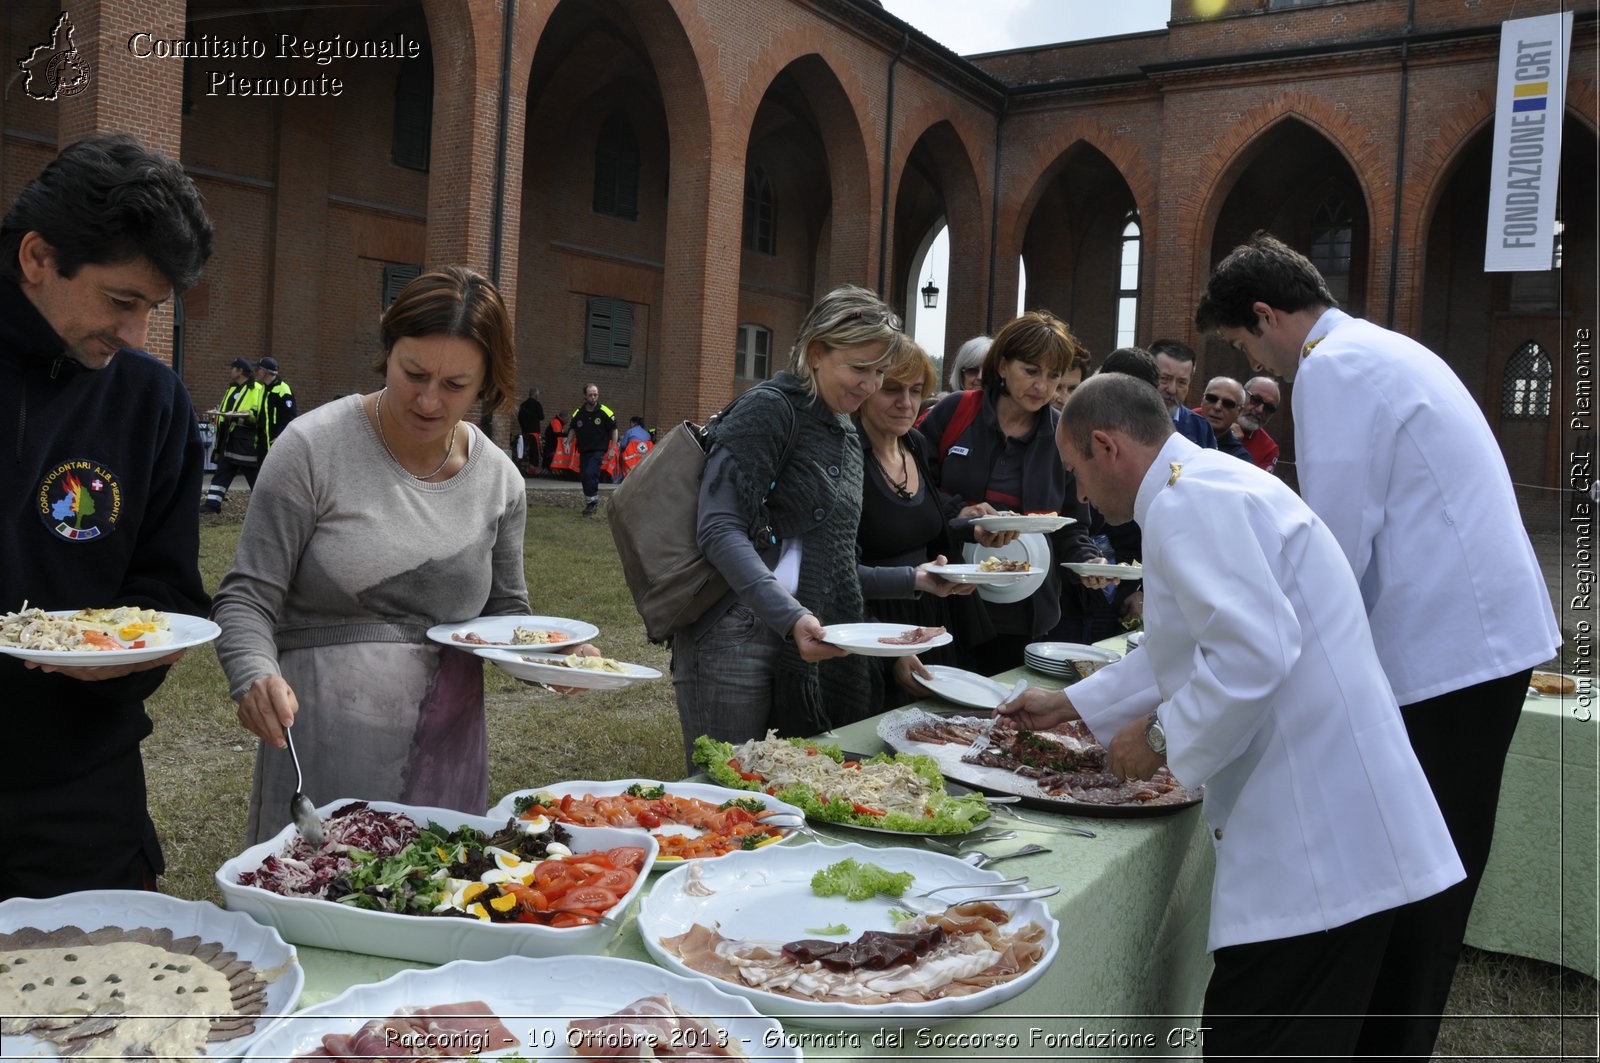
(898, 792)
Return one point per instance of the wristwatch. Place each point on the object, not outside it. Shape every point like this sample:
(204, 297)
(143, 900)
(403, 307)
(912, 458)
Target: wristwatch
(1154, 735)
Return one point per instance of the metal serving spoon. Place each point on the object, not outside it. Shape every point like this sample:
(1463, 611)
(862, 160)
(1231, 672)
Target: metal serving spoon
(301, 810)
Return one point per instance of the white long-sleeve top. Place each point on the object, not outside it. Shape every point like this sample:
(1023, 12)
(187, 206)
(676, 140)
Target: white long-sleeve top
(1396, 457)
(1260, 664)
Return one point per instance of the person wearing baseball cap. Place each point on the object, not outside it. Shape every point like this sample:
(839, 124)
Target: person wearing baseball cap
(277, 404)
(238, 416)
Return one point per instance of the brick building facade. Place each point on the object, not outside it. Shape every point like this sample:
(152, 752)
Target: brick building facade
(661, 187)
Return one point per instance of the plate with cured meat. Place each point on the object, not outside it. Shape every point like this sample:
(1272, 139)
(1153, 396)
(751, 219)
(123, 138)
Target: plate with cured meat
(1031, 549)
(885, 640)
(1059, 770)
(570, 1007)
(997, 571)
(114, 973)
(519, 634)
(755, 925)
(689, 821)
(118, 635)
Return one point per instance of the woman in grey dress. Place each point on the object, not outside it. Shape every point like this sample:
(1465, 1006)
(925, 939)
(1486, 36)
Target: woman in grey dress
(376, 517)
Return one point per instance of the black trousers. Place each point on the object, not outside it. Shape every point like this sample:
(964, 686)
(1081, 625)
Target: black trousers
(223, 476)
(1299, 996)
(1461, 739)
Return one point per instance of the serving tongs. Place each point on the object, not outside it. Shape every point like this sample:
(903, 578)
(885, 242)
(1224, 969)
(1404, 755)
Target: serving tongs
(301, 810)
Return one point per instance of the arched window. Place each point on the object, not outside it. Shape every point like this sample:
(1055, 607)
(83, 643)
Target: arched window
(754, 358)
(616, 168)
(760, 212)
(1525, 389)
(1128, 285)
(1331, 228)
(412, 134)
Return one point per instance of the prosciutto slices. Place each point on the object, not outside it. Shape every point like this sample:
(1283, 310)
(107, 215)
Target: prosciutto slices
(468, 1028)
(651, 1028)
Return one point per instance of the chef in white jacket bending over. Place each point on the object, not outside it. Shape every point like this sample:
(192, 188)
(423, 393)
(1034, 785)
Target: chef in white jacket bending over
(1259, 681)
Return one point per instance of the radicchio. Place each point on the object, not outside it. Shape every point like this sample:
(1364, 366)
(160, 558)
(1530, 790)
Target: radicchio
(301, 871)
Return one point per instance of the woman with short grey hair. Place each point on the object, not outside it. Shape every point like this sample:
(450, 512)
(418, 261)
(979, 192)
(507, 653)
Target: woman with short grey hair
(783, 534)
(967, 366)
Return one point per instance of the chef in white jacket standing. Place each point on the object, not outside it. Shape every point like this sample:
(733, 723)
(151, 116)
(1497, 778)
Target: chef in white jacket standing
(1396, 457)
(1257, 679)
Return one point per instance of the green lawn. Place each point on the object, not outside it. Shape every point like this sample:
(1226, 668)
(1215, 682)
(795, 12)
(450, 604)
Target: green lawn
(199, 762)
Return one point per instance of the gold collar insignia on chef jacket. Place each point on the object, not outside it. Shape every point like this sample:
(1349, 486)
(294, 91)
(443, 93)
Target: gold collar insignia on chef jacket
(1177, 470)
(1307, 348)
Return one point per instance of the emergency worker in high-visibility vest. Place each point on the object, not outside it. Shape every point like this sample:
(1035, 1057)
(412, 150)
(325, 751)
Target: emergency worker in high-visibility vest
(277, 404)
(238, 417)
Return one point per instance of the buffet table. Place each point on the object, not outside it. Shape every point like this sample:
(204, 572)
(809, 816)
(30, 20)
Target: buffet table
(1538, 897)
(1131, 969)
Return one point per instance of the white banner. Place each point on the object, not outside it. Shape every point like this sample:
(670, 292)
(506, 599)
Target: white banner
(1530, 100)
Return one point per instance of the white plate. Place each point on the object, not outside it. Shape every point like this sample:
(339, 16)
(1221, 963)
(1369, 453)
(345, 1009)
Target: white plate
(535, 998)
(1067, 652)
(186, 631)
(973, 574)
(1021, 522)
(1102, 568)
(704, 791)
(538, 668)
(275, 961)
(767, 896)
(964, 688)
(1032, 548)
(498, 629)
(331, 925)
(863, 639)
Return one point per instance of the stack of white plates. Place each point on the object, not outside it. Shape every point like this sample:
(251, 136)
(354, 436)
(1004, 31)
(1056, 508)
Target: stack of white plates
(1060, 658)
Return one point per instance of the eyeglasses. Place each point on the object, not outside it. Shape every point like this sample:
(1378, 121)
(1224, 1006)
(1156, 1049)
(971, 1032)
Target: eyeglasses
(876, 317)
(1268, 408)
(1218, 400)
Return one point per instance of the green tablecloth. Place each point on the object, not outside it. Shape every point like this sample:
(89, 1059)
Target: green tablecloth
(1131, 969)
(1539, 895)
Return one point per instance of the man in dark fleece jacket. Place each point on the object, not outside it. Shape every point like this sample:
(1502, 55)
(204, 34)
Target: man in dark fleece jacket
(93, 425)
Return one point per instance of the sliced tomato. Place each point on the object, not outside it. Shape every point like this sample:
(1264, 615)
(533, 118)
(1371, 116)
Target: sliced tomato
(747, 776)
(596, 897)
(863, 810)
(630, 857)
(562, 920)
(853, 765)
(617, 880)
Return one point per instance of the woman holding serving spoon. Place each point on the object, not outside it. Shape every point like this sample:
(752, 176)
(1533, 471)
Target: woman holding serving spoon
(377, 517)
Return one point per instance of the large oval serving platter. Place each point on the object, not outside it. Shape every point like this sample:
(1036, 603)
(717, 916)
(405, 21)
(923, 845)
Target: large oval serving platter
(767, 896)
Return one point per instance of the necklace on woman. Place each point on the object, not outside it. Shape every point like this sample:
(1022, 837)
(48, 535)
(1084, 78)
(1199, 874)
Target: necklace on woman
(449, 448)
(902, 486)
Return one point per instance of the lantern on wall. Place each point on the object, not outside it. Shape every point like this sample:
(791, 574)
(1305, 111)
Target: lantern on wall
(930, 295)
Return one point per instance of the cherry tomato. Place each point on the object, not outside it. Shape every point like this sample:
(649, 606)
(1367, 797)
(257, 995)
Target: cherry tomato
(648, 820)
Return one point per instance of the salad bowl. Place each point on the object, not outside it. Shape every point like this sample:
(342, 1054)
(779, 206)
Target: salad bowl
(430, 939)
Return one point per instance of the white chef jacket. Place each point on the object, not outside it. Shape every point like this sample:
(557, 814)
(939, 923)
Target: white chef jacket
(1259, 661)
(1396, 458)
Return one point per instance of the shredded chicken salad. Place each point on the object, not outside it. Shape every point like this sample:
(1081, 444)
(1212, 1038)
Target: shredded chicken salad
(120, 628)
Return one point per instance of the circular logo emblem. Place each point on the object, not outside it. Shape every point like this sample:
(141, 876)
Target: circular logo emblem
(80, 500)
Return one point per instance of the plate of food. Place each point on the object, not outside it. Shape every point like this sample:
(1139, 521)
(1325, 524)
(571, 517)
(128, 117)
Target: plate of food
(1551, 684)
(108, 973)
(964, 688)
(1059, 770)
(123, 634)
(885, 640)
(1069, 660)
(689, 821)
(1023, 522)
(520, 634)
(780, 928)
(991, 570)
(571, 1007)
(569, 669)
(1032, 549)
(1121, 570)
(434, 884)
(885, 793)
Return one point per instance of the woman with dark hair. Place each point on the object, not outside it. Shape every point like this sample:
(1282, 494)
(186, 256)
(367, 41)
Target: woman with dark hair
(1005, 455)
(905, 521)
(783, 534)
(377, 517)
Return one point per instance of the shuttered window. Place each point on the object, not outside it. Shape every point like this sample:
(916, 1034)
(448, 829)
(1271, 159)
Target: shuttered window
(608, 339)
(395, 279)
